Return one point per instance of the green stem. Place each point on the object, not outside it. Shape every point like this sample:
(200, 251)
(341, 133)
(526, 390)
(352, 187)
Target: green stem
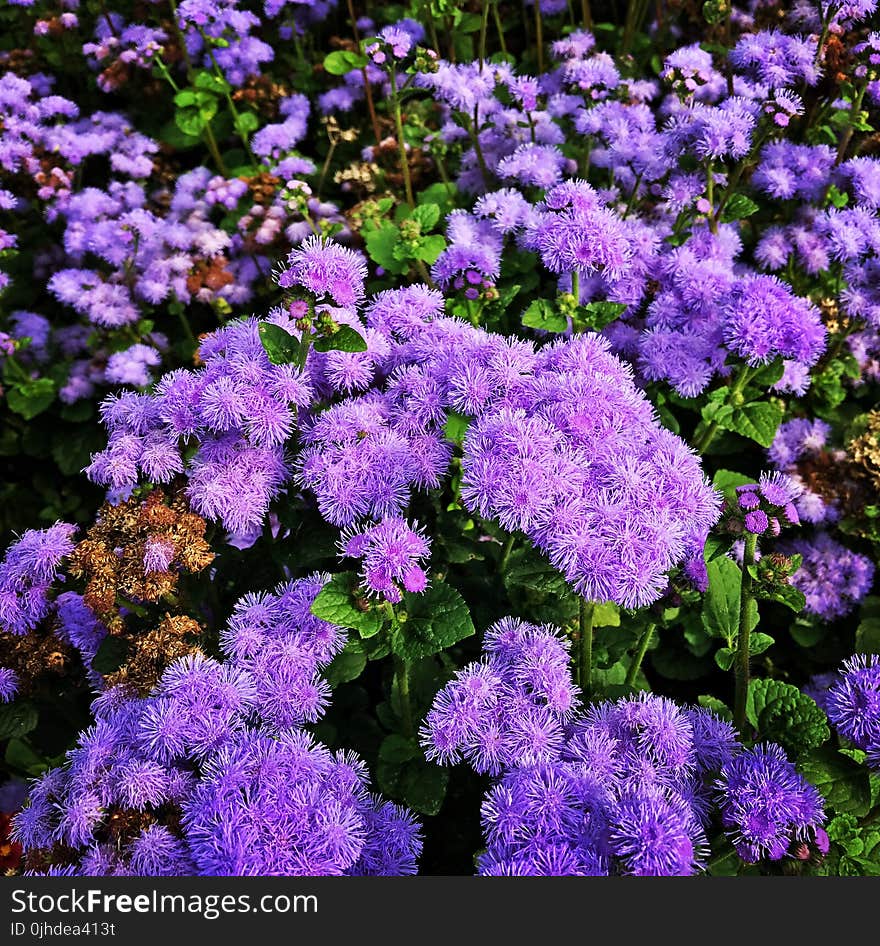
(850, 127)
(12, 365)
(701, 444)
(368, 89)
(218, 72)
(211, 142)
(478, 148)
(539, 36)
(585, 646)
(187, 328)
(576, 286)
(633, 195)
(401, 678)
(741, 665)
(639, 656)
(499, 27)
(181, 39)
(586, 14)
(710, 196)
(484, 25)
(401, 146)
(505, 555)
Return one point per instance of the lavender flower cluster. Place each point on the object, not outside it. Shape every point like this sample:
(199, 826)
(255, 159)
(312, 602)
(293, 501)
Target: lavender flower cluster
(625, 788)
(212, 774)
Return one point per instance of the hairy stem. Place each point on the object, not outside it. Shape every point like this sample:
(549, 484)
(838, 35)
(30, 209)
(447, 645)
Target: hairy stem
(539, 36)
(505, 554)
(499, 27)
(401, 146)
(401, 678)
(585, 646)
(639, 656)
(741, 665)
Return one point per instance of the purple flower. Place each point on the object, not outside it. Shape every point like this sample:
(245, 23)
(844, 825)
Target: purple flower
(765, 320)
(766, 806)
(853, 704)
(327, 270)
(26, 574)
(833, 578)
(8, 684)
(391, 552)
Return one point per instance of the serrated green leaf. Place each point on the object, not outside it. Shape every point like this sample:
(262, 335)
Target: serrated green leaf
(111, 655)
(721, 603)
(338, 604)
(28, 399)
(530, 570)
(427, 215)
(594, 316)
(380, 245)
(727, 481)
(758, 421)
(280, 346)
(542, 314)
(435, 620)
(785, 594)
(724, 657)
(758, 643)
(606, 614)
(17, 719)
(430, 248)
(843, 783)
(738, 208)
(782, 713)
(345, 338)
(716, 706)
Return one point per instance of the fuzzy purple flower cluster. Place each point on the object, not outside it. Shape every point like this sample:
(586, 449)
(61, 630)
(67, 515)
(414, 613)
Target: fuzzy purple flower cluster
(217, 772)
(622, 788)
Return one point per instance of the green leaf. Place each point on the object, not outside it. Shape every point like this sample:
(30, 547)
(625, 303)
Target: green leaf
(427, 215)
(345, 338)
(246, 122)
(111, 655)
(17, 719)
(380, 245)
(530, 570)
(347, 665)
(435, 620)
(31, 398)
(456, 426)
(430, 247)
(842, 782)
(738, 208)
(337, 604)
(727, 481)
(280, 346)
(758, 643)
(397, 749)
(758, 421)
(780, 712)
(606, 614)
(341, 61)
(21, 757)
(857, 848)
(542, 314)
(211, 82)
(721, 603)
(718, 707)
(868, 636)
(785, 594)
(424, 786)
(594, 316)
(724, 657)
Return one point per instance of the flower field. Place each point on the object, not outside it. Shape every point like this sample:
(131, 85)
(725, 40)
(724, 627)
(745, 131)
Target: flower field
(439, 437)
